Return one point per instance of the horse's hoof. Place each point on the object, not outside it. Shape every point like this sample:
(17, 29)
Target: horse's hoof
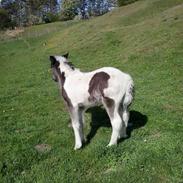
(77, 147)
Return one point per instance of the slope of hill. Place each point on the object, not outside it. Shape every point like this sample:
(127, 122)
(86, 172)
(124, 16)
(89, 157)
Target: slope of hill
(144, 39)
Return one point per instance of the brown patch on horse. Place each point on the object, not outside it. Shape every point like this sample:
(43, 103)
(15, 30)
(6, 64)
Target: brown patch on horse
(97, 85)
(64, 93)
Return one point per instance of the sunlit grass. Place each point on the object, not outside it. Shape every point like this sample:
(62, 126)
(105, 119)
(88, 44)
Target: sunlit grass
(144, 39)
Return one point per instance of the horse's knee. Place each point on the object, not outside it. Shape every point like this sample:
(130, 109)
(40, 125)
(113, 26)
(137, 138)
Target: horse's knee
(76, 124)
(126, 116)
(116, 123)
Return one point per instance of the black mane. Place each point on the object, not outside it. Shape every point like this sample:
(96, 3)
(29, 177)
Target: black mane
(70, 64)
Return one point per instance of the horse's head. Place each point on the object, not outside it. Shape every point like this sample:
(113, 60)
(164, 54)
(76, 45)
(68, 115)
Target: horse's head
(57, 62)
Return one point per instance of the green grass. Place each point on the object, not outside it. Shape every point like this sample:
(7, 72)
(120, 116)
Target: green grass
(144, 39)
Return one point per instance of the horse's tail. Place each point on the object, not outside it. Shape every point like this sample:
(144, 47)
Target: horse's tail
(129, 94)
(127, 100)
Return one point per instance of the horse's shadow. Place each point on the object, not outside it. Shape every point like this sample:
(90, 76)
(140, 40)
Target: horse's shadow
(99, 118)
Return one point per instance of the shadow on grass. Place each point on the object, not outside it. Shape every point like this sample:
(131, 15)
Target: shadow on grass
(99, 118)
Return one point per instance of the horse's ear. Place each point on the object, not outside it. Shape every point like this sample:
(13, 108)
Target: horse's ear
(66, 55)
(52, 59)
(54, 62)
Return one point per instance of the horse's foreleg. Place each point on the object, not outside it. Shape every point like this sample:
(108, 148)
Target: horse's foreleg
(77, 124)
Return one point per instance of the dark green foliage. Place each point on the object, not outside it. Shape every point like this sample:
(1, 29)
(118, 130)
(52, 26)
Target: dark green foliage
(50, 17)
(125, 2)
(68, 14)
(4, 18)
(5, 21)
(30, 12)
(69, 9)
(85, 8)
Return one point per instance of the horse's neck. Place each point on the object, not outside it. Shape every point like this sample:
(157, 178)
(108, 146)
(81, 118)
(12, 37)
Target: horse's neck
(67, 70)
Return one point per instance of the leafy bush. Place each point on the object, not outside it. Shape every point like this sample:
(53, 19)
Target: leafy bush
(5, 21)
(67, 15)
(50, 17)
(69, 9)
(34, 20)
(125, 2)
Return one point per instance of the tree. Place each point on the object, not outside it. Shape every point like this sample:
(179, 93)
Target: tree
(16, 10)
(11, 8)
(5, 21)
(69, 9)
(29, 12)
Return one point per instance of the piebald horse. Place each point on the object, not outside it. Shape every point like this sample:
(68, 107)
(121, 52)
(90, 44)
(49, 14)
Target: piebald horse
(106, 86)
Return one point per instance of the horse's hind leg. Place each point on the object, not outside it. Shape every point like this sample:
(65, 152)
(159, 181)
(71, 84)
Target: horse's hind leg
(112, 109)
(124, 113)
(126, 116)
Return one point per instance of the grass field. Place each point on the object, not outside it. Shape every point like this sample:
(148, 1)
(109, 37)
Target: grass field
(144, 39)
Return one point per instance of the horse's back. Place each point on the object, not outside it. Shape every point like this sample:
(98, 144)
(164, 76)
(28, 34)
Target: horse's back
(106, 81)
(118, 83)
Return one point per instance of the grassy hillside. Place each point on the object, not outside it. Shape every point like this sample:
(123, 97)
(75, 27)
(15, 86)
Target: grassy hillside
(144, 39)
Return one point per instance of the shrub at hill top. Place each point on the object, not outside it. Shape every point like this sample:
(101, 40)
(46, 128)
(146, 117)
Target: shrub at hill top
(5, 21)
(125, 2)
